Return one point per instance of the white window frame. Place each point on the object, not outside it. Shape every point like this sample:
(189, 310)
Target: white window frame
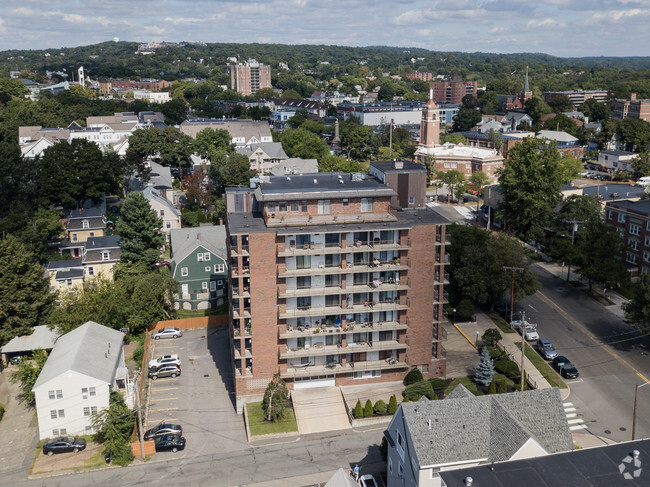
(91, 391)
(86, 410)
(184, 272)
(367, 205)
(219, 268)
(206, 256)
(199, 257)
(635, 229)
(208, 268)
(91, 270)
(106, 255)
(213, 286)
(621, 217)
(324, 207)
(204, 285)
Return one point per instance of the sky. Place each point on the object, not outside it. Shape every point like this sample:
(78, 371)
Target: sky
(565, 28)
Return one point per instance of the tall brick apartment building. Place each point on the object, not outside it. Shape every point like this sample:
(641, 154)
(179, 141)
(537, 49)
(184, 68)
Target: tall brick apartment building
(331, 285)
(632, 221)
(246, 78)
(452, 91)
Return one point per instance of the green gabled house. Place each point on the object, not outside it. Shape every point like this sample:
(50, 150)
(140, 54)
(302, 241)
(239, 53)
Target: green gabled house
(198, 263)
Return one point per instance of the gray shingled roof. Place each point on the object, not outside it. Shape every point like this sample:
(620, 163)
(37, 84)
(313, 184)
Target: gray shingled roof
(93, 223)
(74, 273)
(185, 240)
(41, 337)
(272, 149)
(107, 242)
(92, 349)
(151, 193)
(295, 165)
(491, 427)
(64, 264)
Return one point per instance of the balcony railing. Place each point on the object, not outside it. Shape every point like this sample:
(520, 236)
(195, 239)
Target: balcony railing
(368, 287)
(336, 369)
(320, 350)
(287, 219)
(348, 268)
(348, 327)
(372, 306)
(313, 248)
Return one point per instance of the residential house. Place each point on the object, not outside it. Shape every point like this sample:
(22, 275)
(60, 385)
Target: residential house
(517, 118)
(85, 223)
(166, 211)
(263, 157)
(101, 254)
(601, 466)
(564, 143)
(616, 160)
(295, 165)
(243, 132)
(199, 264)
(158, 177)
(75, 382)
(66, 275)
(42, 337)
(426, 437)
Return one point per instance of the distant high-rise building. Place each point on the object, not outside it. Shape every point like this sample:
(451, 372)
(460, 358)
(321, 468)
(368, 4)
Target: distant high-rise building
(246, 78)
(420, 75)
(632, 108)
(577, 97)
(452, 91)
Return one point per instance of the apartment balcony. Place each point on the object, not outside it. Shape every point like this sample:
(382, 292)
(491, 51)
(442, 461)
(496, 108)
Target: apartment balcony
(340, 369)
(336, 248)
(248, 371)
(348, 268)
(238, 334)
(371, 287)
(440, 241)
(374, 306)
(240, 271)
(349, 327)
(238, 292)
(319, 350)
(288, 219)
(440, 298)
(237, 313)
(442, 260)
(437, 276)
(234, 252)
(238, 356)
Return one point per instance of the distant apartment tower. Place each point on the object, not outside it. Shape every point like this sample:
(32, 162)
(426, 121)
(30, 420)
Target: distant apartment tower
(330, 284)
(419, 75)
(246, 78)
(632, 108)
(577, 97)
(451, 91)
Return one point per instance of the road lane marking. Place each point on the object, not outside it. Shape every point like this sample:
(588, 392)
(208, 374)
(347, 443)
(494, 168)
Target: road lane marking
(575, 421)
(571, 415)
(533, 308)
(590, 335)
(577, 427)
(567, 404)
(568, 410)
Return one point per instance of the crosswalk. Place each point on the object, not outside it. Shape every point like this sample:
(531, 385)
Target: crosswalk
(575, 423)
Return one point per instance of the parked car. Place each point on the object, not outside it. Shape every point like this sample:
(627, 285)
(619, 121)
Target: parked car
(64, 444)
(170, 443)
(368, 480)
(528, 330)
(566, 368)
(16, 359)
(169, 332)
(165, 360)
(546, 349)
(163, 429)
(164, 371)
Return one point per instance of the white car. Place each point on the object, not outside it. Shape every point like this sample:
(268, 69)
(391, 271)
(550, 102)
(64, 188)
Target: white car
(368, 481)
(530, 332)
(169, 332)
(165, 360)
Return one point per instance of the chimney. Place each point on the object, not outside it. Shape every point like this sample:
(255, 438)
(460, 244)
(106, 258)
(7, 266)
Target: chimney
(632, 96)
(220, 221)
(399, 165)
(198, 236)
(468, 481)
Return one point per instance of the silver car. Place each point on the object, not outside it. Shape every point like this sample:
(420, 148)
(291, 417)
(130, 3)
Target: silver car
(169, 332)
(546, 349)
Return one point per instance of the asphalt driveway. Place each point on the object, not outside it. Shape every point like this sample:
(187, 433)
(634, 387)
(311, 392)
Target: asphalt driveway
(201, 398)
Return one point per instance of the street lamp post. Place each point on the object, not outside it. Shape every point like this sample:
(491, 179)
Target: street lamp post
(454, 316)
(636, 393)
(573, 236)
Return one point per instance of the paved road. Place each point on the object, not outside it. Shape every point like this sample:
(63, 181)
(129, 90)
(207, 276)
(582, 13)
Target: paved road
(610, 355)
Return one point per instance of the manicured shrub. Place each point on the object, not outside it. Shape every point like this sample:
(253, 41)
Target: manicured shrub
(493, 388)
(412, 377)
(368, 411)
(392, 404)
(494, 352)
(438, 383)
(380, 407)
(415, 391)
(503, 387)
(465, 310)
(358, 410)
(491, 337)
(507, 367)
(406, 399)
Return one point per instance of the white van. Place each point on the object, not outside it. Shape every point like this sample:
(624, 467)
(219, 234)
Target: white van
(644, 181)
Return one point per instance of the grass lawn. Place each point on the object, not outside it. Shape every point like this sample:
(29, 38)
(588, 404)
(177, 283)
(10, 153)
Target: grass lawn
(500, 322)
(468, 382)
(544, 368)
(259, 426)
(197, 313)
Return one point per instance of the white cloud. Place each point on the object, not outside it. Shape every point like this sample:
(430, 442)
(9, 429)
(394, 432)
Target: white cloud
(545, 24)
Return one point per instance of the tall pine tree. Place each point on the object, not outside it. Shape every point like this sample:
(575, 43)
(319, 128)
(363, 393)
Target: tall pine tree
(139, 227)
(484, 369)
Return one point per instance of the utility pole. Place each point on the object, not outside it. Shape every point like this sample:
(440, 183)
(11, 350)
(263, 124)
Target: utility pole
(488, 209)
(573, 236)
(139, 411)
(390, 144)
(523, 354)
(512, 287)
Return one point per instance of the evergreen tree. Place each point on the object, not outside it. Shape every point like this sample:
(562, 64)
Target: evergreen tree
(367, 410)
(503, 387)
(27, 373)
(484, 369)
(25, 298)
(114, 426)
(139, 227)
(392, 404)
(380, 407)
(493, 387)
(358, 410)
(276, 399)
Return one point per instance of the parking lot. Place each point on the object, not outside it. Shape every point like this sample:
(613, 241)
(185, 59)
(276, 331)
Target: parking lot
(200, 399)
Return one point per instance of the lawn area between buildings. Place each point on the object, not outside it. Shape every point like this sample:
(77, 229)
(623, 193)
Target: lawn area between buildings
(544, 368)
(500, 322)
(473, 387)
(258, 425)
(198, 313)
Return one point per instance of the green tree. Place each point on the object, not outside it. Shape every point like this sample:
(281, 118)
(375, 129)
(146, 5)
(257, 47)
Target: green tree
(595, 111)
(358, 141)
(25, 298)
(496, 139)
(484, 369)
(392, 404)
(367, 410)
(300, 117)
(358, 410)
(276, 399)
(114, 426)
(209, 140)
(530, 183)
(175, 111)
(641, 163)
(229, 170)
(465, 119)
(302, 143)
(503, 387)
(332, 163)
(454, 180)
(139, 227)
(637, 310)
(493, 387)
(600, 255)
(570, 168)
(453, 138)
(41, 227)
(27, 374)
(380, 407)
(560, 104)
(536, 108)
(491, 337)
(635, 134)
(414, 375)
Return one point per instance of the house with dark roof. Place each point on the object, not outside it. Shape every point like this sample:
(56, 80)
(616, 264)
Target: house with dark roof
(75, 382)
(101, 254)
(166, 211)
(603, 466)
(199, 264)
(426, 437)
(65, 275)
(83, 224)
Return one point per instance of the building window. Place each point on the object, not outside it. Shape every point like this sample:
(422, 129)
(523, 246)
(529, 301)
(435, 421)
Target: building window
(646, 256)
(184, 272)
(294, 206)
(219, 268)
(204, 285)
(58, 394)
(303, 205)
(634, 244)
(54, 413)
(206, 256)
(220, 282)
(346, 202)
(106, 255)
(168, 224)
(87, 411)
(92, 391)
(162, 213)
(208, 268)
(74, 237)
(91, 234)
(69, 282)
(367, 205)
(282, 206)
(91, 271)
(621, 217)
(400, 445)
(93, 410)
(89, 430)
(631, 258)
(323, 207)
(213, 286)
(647, 241)
(84, 392)
(635, 229)
(55, 433)
(199, 257)
(85, 224)
(270, 207)
(411, 200)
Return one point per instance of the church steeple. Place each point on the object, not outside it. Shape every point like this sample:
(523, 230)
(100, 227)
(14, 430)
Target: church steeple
(430, 124)
(526, 87)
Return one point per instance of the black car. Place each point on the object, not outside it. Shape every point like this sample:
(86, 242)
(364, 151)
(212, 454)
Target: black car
(64, 444)
(171, 443)
(163, 429)
(566, 368)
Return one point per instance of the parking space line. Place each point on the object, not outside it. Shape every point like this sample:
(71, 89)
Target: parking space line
(166, 389)
(165, 399)
(162, 409)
